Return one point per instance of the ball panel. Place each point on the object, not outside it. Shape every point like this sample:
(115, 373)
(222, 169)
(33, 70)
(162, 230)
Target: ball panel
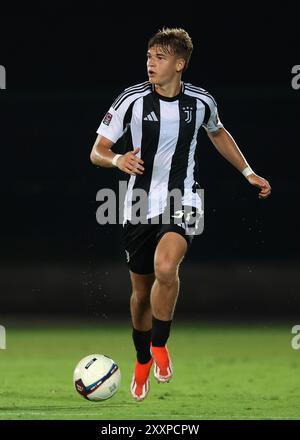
(97, 377)
(107, 388)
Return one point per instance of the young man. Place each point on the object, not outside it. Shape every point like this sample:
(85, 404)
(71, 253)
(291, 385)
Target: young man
(161, 118)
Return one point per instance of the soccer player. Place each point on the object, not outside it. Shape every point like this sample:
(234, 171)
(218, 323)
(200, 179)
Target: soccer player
(161, 119)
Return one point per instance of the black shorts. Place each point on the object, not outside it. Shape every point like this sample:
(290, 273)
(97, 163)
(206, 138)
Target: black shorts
(140, 241)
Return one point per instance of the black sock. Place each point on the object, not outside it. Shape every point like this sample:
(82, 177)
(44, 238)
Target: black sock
(142, 345)
(160, 332)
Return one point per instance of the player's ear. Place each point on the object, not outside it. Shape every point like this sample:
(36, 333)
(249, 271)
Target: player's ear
(180, 64)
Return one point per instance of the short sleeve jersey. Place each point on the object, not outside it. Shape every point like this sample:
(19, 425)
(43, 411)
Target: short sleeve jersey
(166, 130)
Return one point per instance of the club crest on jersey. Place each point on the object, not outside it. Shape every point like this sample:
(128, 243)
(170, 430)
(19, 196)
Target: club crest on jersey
(188, 112)
(107, 118)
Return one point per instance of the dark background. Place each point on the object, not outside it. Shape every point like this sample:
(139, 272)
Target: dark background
(64, 69)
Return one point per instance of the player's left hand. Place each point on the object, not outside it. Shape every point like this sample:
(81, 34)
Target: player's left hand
(261, 183)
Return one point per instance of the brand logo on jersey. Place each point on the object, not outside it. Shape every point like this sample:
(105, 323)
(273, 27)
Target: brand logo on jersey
(107, 118)
(188, 112)
(151, 117)
(127, 256)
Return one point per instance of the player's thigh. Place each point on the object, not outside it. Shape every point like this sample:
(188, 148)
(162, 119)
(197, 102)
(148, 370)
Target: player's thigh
(170, 252)
(141, 284)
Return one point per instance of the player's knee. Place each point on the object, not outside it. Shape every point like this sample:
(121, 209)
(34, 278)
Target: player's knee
(165, 271)
(141, 297)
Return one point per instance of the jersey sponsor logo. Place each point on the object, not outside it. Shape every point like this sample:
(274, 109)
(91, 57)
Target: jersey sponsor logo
(107, 118)
(188, 112)
(151, 117)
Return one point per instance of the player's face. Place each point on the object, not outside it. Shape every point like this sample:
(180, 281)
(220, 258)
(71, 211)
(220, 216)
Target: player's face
(162, 66)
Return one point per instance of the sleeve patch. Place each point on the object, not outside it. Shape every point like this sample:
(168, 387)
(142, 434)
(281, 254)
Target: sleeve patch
(107, 118)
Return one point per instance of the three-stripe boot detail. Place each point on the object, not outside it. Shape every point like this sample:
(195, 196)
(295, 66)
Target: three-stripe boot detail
(140, 384)
(163, 369)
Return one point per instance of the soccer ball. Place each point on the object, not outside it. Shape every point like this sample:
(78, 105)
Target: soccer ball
(97, 377)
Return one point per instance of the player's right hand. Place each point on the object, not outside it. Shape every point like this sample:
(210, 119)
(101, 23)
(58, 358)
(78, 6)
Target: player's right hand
(130, 163)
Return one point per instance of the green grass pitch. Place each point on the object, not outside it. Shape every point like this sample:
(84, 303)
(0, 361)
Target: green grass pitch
(220, 372)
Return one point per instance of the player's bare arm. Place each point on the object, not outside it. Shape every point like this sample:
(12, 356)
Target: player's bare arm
(102, 156)
(227, 147)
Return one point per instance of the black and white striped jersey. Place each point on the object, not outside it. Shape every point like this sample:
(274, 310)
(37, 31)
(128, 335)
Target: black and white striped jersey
(166, 130)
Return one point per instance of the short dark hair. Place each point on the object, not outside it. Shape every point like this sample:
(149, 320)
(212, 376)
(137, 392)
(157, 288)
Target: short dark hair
(173, 40)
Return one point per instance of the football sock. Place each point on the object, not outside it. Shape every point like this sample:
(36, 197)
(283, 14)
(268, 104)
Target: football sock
(142, 345)
(160, 332)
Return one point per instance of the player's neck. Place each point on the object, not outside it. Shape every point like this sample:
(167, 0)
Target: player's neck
(169, 90)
